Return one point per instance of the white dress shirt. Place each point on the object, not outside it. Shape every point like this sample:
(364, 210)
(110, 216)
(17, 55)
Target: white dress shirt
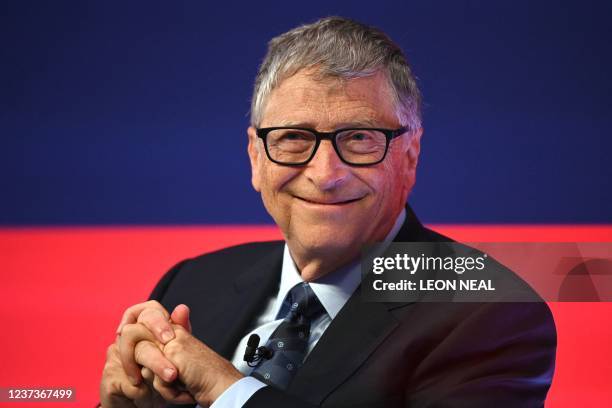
(333, 290)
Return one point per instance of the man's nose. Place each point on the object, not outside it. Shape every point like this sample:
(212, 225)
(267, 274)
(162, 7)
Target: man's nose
(326, 170)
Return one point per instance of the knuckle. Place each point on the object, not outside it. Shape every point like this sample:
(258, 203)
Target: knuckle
(128, 313)
(108, 368)
(140, 351)
(171, 350)
(147, 354)
(180, 332)
(131, 312)
(125, 315)
(154, 304)
(153, 319)
(175, 345)
(111, 351)
(150, 312)
(153, 313)
(128, 330)
(144, 316)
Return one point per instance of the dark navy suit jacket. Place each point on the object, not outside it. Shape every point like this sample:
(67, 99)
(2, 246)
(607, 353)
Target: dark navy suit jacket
(376, 354)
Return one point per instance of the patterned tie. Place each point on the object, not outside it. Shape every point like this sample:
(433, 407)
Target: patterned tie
(289, 341)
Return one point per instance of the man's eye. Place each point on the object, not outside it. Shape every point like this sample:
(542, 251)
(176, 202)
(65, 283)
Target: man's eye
(356, 137)
(359, 136)
(293, 136)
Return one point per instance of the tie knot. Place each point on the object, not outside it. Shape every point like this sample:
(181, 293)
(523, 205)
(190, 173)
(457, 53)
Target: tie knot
(303, 301)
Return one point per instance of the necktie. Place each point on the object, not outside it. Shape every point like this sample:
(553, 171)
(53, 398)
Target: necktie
(290, 339)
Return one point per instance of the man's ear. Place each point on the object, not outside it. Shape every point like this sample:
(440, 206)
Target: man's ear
(255, 158)
(414, 148)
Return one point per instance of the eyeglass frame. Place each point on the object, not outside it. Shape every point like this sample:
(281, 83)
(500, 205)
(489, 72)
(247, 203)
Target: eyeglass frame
(390, 134)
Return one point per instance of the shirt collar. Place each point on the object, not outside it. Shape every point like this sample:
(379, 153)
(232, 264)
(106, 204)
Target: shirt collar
(334, 289)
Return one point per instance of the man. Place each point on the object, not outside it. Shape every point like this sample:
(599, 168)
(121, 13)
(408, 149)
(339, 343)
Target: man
(334, 143)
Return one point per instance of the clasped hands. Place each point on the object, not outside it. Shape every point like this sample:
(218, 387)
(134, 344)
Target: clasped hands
(155, 360)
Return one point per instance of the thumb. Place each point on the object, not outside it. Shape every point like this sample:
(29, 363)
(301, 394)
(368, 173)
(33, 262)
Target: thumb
(180, 316)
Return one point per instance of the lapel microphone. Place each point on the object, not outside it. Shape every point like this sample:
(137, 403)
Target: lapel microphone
(254, 354)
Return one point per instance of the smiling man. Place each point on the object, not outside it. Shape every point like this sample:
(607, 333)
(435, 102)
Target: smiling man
(334, 143)
(331, 197)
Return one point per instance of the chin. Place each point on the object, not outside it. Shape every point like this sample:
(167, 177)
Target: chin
(339, 238)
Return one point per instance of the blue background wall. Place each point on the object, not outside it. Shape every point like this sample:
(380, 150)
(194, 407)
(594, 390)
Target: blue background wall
(135, 112)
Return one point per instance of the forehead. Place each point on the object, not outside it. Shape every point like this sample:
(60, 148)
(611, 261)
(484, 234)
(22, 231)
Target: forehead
(325, 103)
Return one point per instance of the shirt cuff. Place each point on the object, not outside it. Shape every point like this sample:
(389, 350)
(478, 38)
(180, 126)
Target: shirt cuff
(238, 393)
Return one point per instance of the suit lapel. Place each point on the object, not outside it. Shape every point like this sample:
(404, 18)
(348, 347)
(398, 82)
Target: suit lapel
(247, 295)
(351, 337)
(412, 230)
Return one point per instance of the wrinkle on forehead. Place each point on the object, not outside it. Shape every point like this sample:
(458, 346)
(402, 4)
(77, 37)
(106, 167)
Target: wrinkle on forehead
(328, 103)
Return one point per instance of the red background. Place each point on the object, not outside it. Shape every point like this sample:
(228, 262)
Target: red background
(64, 290)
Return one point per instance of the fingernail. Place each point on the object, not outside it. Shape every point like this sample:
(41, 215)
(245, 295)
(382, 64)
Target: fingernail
(133, 380)
(166, 336)
(168, 373)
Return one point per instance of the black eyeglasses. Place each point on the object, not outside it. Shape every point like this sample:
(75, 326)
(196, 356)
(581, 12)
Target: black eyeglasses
(290, 146)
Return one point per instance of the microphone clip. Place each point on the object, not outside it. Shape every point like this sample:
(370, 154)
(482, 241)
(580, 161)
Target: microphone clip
(254, 354)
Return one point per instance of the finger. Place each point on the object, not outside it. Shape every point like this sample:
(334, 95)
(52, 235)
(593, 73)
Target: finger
(155, 400)
(115, 388)
(171, 393)
(180, 316)
(131, 313)
(117, 401)
(157, 322)
(138, 395)
(147, 376)
(131, 334)
(150, 356)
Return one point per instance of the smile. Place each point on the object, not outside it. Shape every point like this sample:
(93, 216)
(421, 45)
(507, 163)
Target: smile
(328, 202)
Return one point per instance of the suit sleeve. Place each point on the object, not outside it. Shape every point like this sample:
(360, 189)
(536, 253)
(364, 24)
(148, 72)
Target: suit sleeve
(502, 355)
(269, 397)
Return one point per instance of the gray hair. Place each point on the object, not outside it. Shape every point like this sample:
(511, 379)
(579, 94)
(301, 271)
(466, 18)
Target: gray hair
(339, 48)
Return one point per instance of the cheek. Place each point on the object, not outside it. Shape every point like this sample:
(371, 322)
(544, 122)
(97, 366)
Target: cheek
(273, 181)
(402, 170)
(392, 182)
(388, 178)
(277, 202)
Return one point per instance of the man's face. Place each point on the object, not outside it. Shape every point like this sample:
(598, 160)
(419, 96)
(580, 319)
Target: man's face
(326, 207)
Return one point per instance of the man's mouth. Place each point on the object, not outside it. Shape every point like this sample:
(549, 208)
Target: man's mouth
(336, 202)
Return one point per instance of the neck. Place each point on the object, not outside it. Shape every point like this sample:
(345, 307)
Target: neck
(316, 264)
